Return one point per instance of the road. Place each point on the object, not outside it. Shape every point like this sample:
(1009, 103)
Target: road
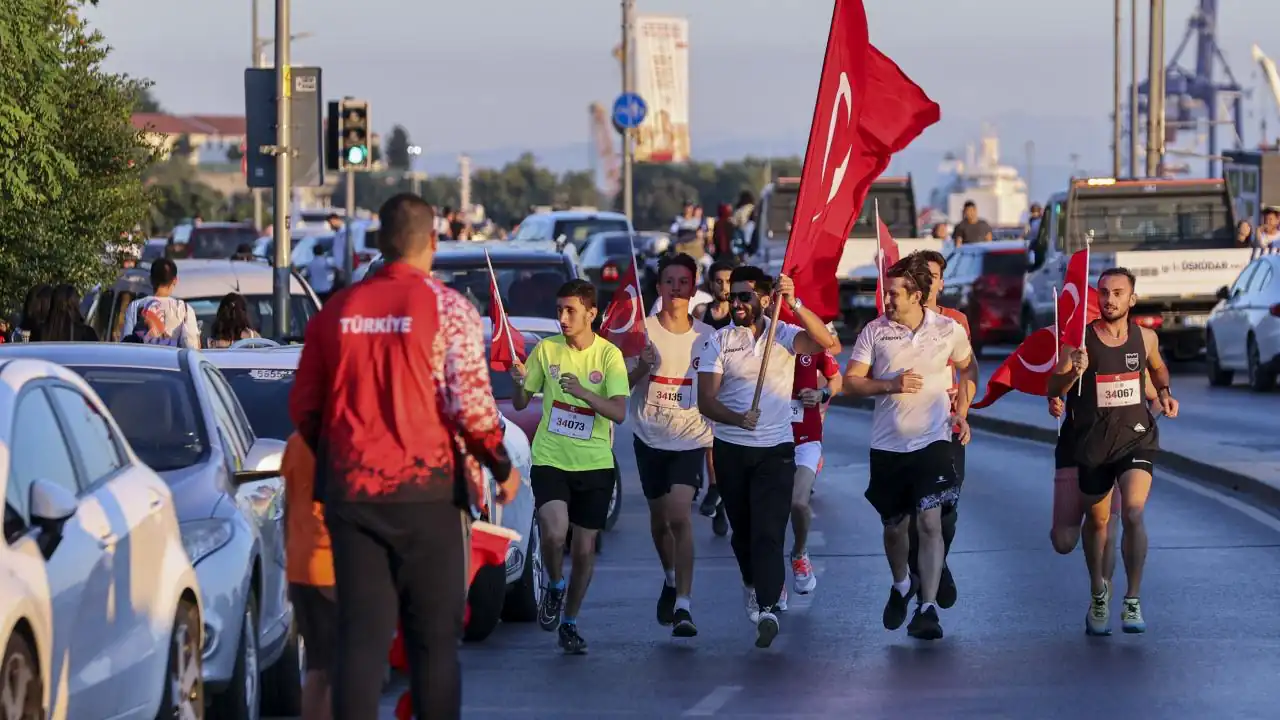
(1015, 645)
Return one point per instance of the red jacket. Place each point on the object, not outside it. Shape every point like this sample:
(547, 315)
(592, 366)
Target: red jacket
(392, 387)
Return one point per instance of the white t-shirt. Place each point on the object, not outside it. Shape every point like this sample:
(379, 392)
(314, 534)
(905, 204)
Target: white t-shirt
(700, 297)
(180, 326)
(734, 352)
(663, 409)
(909, 421)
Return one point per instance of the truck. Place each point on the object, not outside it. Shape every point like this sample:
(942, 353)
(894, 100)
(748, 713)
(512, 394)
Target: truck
(856, 271)
(1177, 236)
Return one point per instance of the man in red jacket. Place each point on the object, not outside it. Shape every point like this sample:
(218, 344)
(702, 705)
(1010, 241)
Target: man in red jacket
(391, 389)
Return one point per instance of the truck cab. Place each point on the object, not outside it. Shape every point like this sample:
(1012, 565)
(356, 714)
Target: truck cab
(1176, 236)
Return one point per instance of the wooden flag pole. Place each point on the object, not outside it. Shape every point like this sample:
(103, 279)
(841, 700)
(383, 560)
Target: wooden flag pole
(775, 308)
(1057, 347)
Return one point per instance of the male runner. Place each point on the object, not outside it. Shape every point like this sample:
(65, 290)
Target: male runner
(716, 315)
(583, 381)
(671, 436)
(755, 449)
(808, 402)
(1116, 438)
(904, 360)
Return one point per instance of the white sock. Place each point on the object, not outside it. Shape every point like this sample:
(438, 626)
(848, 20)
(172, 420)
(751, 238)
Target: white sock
(926, 606)
(903, 587)
(682, 602)
(671, 577)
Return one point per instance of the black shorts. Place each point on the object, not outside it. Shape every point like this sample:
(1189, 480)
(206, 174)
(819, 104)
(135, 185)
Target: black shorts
(661, 469)
(586, 492)
(904, 483)
(317, 618)
(957, 454)
(1097, 481)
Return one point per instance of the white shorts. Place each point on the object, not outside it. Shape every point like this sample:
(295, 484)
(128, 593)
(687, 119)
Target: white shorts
(809, 455)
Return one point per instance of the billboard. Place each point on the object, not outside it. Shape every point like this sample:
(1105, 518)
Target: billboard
(662, 79)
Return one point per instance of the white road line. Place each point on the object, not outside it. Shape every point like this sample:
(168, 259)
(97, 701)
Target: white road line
(716, 699)
(1269, 520)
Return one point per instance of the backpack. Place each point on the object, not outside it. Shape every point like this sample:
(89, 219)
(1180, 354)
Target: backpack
(179, 338)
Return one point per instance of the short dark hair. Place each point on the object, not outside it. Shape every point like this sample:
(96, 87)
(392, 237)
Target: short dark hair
(334, 216)
(717, 267)
(752, 274)
(970, 204)
(678, 260)
(1271, 210)
(408, 222)
(581, 289)
(163, 272)
(1122, 272)
(914, 271)
(930, 256)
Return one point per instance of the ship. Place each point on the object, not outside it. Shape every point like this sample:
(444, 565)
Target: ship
(998, 190)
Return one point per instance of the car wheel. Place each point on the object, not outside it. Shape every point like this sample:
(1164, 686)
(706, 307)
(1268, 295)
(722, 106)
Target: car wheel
(525, 596)
(21, 688)
(1259, 378)
(1217, 376)
(183, 693)
(282, 682)
(240, 701)
(485, 598)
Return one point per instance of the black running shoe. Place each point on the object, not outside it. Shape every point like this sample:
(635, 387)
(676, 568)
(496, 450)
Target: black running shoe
(666, 605)
(720, 523)
(570, 641)
(946, 589)
(925, 626)
(766, 627)
(710, 502)
(552, 606)
(684, 626)
(895, 610)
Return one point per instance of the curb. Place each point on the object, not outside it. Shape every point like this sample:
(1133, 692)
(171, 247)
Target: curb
(1228, 480)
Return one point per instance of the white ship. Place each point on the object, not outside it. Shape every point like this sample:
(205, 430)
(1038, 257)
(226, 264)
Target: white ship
(998, 190)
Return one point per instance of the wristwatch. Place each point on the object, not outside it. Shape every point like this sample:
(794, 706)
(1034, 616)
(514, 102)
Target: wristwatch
(796, 304)
(826, 395)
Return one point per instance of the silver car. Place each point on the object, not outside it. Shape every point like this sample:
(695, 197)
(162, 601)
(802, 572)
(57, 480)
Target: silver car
(183, 419)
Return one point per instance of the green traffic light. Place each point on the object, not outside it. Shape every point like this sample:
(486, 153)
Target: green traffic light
(356, 155)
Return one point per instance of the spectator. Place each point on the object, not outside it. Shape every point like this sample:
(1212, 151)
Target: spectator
(65, 323)
(244, 253)
(1267, 237)
(971, 229)
(177, 320)
(35, 309)
(722, 235)
(232, 322)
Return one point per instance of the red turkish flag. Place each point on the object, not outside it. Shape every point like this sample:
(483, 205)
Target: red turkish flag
(1075, 285)
(623, 323)
(507, 344)
(886, 255)
(867, 109)
(1026, 370)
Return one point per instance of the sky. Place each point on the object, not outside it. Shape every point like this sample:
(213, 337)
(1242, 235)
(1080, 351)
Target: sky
(494, 77)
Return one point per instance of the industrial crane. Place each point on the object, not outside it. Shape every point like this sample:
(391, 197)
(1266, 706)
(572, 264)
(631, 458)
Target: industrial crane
(1269, 69)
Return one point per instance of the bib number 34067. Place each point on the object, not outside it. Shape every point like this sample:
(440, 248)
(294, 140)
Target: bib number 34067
(571, 421)
(1119, 390)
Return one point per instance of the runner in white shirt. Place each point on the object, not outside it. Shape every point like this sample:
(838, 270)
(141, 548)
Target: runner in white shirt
(901, 359)
(754, 450)
(671, 436)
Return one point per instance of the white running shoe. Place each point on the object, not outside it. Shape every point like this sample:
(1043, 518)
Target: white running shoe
(782, 601)
(1098, 619)
(753, 606)
(802, 569)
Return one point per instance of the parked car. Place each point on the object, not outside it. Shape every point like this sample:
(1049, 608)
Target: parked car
(203, 283)
(100, 611)
(574, 226)
(262, 378)
(607, 255)
(1243, 331)
(985, 282)
(210, 240)
(182, 418)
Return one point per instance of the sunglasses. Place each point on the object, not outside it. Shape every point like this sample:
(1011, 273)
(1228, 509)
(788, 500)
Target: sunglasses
(745, 296)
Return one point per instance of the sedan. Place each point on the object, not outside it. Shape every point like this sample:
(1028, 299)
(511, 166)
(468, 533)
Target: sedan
(1243, 332)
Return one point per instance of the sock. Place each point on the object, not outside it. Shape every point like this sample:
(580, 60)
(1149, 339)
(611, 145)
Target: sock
(682, 602)
(671, 577)
(568, 620)
(559, 584)
(903, 587)
(926, 606)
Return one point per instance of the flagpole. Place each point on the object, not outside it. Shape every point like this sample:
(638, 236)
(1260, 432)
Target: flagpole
(502, 311)
(879, 258)
(1057, 346)
(1083, 305)
(635, 266)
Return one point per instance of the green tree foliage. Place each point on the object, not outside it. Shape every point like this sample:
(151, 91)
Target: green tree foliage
(398, 149)
(145, 101)
(177, 193)
(71, 164)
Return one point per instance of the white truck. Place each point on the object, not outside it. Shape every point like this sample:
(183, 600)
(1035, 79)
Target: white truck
(1176, 236)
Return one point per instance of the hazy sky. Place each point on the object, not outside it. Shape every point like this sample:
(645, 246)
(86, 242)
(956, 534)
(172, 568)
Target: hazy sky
(486, 74)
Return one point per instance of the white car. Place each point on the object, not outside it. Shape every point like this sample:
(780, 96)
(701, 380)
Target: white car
(261, 374)
(100, 605)
(1243, 332)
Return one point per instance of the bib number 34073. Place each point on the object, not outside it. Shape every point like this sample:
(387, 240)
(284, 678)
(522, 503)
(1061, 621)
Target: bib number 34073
(571, 421)
(1119, 390)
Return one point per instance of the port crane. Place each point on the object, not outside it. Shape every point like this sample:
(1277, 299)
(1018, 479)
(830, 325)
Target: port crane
(1273, 80)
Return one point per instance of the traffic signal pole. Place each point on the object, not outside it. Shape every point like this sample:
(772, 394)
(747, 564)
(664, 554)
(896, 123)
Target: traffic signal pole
(284, 169)
(349, 254)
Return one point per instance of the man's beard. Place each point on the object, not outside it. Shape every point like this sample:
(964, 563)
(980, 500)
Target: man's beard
(748, 319)
(1111, 315)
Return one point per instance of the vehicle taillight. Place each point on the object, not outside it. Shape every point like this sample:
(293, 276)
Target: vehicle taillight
(1275, 309)
(1151, 322)
(609, 272)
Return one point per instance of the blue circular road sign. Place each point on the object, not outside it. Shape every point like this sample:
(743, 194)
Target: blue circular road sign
(629, 110)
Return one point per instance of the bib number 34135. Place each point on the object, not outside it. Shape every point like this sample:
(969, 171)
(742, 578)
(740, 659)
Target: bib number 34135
(1119, 390)
(571, 421)
(671, 393)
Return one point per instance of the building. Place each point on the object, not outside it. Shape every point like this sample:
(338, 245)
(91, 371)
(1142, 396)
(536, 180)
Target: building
(1253, 179)
(213, 139)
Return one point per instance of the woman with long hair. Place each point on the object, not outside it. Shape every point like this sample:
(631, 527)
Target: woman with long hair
(232, 322)
(64, 322)
(34, 311)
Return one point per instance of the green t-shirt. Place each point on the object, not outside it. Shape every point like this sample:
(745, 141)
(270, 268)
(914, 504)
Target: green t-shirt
(571, 436)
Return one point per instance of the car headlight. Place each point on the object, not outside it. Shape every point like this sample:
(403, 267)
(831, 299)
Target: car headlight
(200, 538)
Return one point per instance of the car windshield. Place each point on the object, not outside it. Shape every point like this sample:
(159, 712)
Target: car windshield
(264, 395)
(221, 242)
(156, 409)
(261, 314)
(1011, 264)
(619, 245)
(1164, 222)
(894, 204)
(579, 230)
(528, 288)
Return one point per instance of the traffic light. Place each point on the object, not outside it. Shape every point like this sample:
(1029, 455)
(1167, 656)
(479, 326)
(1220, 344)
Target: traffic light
(350, 136)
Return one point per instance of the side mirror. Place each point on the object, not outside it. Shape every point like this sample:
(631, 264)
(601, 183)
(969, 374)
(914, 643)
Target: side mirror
(561, 242)
(263, 461)
(50, 503)
(1224, 293)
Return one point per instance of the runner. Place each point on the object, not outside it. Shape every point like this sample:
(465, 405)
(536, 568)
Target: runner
(715, 314)
(583, 380)
(671, 436)
(755, 449)
(1116, 439)
(904, 359)
(808, 403)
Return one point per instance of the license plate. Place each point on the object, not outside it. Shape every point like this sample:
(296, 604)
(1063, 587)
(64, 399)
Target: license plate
(1195, 320)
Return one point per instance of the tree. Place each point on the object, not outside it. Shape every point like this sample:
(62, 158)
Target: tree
(234, 153)
(182, 146)
(145, 101)
(398, 149)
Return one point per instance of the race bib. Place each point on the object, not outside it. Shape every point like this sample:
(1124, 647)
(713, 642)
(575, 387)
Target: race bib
(1119, 390)
(797, 410)
(671, 393)
(571, 421)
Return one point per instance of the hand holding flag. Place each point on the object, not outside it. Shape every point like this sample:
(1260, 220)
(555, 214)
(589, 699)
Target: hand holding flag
(623, 323)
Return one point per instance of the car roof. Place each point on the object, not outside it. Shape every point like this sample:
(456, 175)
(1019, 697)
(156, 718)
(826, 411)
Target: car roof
(213, 278)
(498, 250)
(139, 355)
(221, 225)
(284, 357)
(994, 246)
(582, 215)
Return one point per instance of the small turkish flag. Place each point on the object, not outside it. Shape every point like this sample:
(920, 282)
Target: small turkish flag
(507, 344)
(1027, 370)
(623, 323)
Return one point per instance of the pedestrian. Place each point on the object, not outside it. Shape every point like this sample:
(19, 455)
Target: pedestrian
(721, 248)
(178, 326)
(232, 323)
(583, 380)
(817, 379)
(971, 229)
(390, 468)
(64, 322)
(904, 360)
(35, 309)
(754, 448)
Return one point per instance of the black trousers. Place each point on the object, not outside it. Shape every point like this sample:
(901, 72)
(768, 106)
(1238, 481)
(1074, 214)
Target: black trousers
(948, 514)
(755, 485)
(405, 561)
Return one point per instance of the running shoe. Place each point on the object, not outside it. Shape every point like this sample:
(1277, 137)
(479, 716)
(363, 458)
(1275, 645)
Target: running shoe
(666, 605)
(683, 625)
(1098, 620)
(782, 601)
(946, 589)
(766, 629)
(924, 625)
(710, 502)
(1131, 616)
(753, 606)
(720, 523)
(552, 606)
(570, 641)
(802, 569)
(895, 610)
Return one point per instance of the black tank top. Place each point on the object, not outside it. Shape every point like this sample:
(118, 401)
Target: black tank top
(1109, 416)
(710, 319)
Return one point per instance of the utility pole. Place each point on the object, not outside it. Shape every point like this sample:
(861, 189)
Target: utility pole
(628, 135)
(1115, 101)
(1155, 89)
(1134, 146)
(349, 245)
(256, 62)
(284, 169)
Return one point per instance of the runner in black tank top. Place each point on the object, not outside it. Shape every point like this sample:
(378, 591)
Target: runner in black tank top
(711, 320)
(1115, 438)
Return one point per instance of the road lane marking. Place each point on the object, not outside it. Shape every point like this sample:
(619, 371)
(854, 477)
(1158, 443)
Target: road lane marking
(1269, 520)
(716, 699)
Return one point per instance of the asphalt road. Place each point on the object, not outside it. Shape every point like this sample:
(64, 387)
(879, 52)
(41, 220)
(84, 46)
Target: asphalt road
(1015, 644)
